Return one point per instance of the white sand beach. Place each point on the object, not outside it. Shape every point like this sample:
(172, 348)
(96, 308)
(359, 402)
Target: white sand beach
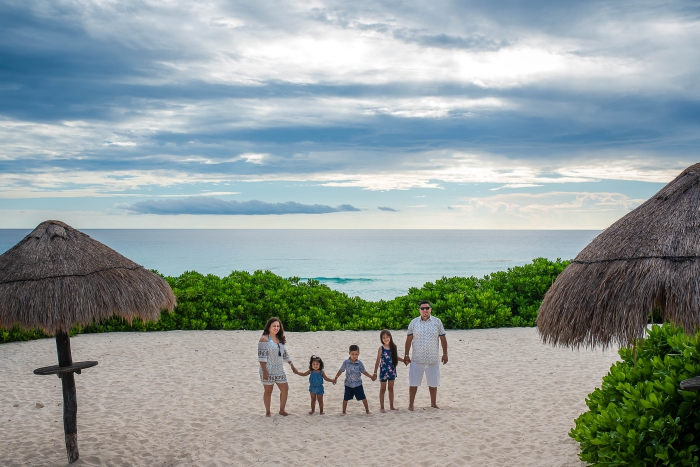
(193, 398)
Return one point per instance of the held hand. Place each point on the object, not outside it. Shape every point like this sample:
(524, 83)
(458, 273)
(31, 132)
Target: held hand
(374, 377)
(335, 380)
(406, 360)
(444, 358)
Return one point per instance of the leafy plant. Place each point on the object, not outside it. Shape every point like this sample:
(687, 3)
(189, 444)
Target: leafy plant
(639, 416)
(243, 300)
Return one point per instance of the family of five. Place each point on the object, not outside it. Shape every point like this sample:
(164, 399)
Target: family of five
(424, 336)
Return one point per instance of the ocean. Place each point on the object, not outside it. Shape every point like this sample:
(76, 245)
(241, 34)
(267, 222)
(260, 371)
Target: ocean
(374, 264)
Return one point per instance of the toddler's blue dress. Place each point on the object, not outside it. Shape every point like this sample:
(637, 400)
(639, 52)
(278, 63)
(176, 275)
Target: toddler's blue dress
(316, 383)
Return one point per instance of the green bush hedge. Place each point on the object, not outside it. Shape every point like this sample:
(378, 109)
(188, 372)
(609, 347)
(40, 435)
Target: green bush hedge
(245, 301)
(639, 416)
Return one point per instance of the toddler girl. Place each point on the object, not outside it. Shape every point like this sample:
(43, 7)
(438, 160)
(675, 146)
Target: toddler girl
(316, 377)
(387, 359)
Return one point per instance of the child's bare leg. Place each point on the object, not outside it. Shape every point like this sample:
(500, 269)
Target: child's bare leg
(320, 403)
(382, 390)
(313, 403)
(345, 406)
(391, 394)
(364, 401)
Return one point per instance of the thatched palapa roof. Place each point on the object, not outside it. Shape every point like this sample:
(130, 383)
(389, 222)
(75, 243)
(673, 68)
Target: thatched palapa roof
(648, 259)
(57, 277)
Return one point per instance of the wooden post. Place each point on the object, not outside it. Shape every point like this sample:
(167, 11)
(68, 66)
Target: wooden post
(70, 401)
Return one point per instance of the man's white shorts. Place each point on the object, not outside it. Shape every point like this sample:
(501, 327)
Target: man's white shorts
(432, 374)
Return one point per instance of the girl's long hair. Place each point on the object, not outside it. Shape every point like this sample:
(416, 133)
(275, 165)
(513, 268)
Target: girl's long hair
(392, 346)
(315, 358)
(280, 334)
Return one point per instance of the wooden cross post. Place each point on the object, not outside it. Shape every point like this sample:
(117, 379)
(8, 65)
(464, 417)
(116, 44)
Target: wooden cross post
(65, 370)
(691, 384)
(70, 400)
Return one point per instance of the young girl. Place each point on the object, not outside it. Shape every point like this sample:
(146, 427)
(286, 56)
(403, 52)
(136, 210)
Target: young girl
(316, 377)
(387, 359)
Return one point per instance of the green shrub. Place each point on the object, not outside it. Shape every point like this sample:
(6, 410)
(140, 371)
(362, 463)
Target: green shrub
(15, 334)
(243, 300)
(639, 416)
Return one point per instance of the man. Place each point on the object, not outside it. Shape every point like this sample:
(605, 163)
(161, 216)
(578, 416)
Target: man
(425, 333)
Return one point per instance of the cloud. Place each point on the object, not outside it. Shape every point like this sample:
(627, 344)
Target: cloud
(446, 41)
(254, 158)
(550, 203)
(204, 205)
(516, 185)
(386, 208)
(354, 96)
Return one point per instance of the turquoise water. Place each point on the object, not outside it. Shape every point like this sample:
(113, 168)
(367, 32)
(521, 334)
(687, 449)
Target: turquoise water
(373, 264)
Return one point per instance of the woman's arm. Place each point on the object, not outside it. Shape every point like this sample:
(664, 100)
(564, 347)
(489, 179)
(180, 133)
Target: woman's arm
(379, 358)
(263, 365)
(262, 355)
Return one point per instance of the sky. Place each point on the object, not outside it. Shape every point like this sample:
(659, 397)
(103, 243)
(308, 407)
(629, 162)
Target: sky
(334, 114)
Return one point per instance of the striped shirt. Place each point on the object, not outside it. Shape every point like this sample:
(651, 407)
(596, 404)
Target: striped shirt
(353, 372)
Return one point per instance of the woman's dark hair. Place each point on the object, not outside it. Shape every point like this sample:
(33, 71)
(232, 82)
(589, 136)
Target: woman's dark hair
(315, 358)
(280, 334)
(392, 346)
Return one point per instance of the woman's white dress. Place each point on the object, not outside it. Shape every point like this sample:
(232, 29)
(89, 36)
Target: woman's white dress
(275, 356)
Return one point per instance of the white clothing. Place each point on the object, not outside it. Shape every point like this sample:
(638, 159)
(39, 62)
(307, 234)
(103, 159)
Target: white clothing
(426, 339)
(274, 356)
(432, 374)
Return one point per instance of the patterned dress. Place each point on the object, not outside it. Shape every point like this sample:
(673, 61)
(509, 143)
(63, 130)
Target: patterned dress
(275, 356)
(387, 370)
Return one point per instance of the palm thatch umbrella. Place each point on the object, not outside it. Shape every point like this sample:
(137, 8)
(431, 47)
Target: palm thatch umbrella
(649, 259)
(57, 277)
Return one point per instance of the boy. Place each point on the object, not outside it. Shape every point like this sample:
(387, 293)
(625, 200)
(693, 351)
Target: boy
(354, 369)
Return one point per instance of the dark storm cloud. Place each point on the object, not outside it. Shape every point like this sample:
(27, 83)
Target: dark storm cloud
(445, 41)
(61, 61)
(213, 206)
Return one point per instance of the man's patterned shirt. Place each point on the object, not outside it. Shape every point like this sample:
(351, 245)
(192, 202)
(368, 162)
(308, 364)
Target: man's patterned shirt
(426, 339)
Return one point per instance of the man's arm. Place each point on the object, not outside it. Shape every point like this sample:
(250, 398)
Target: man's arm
(443, 339)
(379, 357)
(406, 358)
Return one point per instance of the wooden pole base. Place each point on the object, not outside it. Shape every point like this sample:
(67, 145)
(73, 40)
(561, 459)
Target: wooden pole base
(72, 447)
(70, 399)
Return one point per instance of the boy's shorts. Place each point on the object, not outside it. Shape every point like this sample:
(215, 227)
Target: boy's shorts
(358, 393)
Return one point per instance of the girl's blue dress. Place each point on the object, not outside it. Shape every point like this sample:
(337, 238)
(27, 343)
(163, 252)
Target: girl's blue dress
(316, 383)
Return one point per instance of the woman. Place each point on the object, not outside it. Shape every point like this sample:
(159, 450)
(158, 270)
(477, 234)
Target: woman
(272, 354)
